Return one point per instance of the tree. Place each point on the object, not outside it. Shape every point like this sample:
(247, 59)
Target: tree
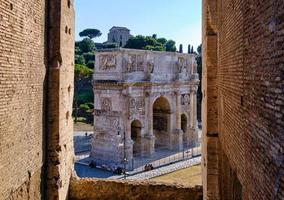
(142, 42)
(110, 45)
(90, 56)
(79, 59)
(80, 72)
(191, 49)
(171, 46)
(154, 48)
(162, 40)
(91, 64)
(151, 43)
(188, 49)
(90, 33)
(86, 45)
(199, 49)
(180, 48)
(199, 71)
(77, 50)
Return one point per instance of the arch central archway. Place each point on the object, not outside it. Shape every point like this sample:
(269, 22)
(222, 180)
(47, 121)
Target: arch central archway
(136, 137)
(161, 122)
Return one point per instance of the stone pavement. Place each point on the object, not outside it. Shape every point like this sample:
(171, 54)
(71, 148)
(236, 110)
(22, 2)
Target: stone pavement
(166, 169)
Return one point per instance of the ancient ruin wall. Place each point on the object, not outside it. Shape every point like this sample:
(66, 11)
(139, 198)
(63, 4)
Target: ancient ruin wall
(249, 72)
(116, 190)
(36, 87)
(60, 46)
(22, 82)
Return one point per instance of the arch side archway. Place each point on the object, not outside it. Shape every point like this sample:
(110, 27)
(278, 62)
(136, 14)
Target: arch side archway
(136, 128)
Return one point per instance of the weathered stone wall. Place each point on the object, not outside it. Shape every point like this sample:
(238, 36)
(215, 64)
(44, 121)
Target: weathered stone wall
(22, 91)
(243, 73)
(60, 46)
(36, 87)
(101, 189)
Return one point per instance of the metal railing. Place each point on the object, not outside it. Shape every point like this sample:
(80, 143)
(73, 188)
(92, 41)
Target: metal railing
(139, 164)
(162, 157)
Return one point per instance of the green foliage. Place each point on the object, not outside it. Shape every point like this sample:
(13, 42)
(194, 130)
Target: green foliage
(150, 43)
(110, 45)
(91, 64)
(137, 42)
(89, 56)
(84, 65)
(180, 48)
(91, 105)
(81, 71)
(199, 71)
(85, 96)
(170, 46)
(79, 59)
(84, 107)
(162, 40)
(86, 45)
(154, 48)
(189, 49)
(90, 33)
(77, 50)
(199, 49)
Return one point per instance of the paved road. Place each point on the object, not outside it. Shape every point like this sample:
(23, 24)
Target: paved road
(166, 169)
(85, 171)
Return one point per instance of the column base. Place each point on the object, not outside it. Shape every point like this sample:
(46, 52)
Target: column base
(177, 140)
(148, 145)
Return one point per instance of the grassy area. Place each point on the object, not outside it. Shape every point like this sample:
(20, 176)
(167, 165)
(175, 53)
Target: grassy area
(82, 126)
(188, 177)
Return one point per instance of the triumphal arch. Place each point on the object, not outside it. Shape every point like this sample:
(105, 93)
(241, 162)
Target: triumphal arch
(143, 100)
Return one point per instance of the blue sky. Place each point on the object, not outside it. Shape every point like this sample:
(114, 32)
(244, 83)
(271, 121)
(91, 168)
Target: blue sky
(179, 20)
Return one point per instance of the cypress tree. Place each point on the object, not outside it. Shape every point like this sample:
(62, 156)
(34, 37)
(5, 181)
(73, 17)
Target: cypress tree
(180, 48)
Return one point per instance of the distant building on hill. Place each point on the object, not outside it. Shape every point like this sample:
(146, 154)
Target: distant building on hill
(118, 35)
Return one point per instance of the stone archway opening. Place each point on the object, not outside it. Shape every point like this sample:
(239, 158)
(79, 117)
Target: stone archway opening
(161, 122)
(184, 128)
(136, 137)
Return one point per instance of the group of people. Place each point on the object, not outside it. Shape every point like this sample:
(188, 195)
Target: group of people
(148, 167)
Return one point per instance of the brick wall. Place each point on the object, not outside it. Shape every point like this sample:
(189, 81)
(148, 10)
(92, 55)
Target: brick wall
(60, 45)
(249, 74)
(22, 82)
(36, 92)
(102, 189)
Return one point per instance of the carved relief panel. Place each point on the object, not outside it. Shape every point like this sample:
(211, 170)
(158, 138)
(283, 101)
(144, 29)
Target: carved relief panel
(106, 104)
(107, 62)
(181, 65)
(134, 63)
(150, 65)
(137, 106)
(185, 99)
(106, 123)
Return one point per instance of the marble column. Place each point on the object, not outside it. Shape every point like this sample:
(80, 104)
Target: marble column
(149, 138)
(194, 108)
(193, 128)
(178, 111)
